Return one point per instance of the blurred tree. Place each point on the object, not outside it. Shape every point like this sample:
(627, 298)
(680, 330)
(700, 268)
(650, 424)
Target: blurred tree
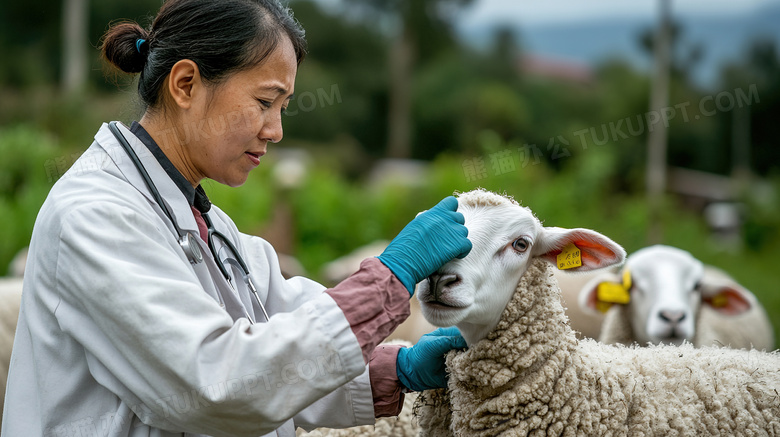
(504, 57)
(423, 29)
(29, 42)
(39, 37)
(682, 58)
(341, 87)
(755, 80)
(693, 141)
(689, 144)
(466, 91)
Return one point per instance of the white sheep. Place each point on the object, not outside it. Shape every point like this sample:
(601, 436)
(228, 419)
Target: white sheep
(670, 297)
(10, 299)
(526, 373)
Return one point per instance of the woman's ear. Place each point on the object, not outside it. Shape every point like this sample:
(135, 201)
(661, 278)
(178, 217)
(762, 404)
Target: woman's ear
(183, 80)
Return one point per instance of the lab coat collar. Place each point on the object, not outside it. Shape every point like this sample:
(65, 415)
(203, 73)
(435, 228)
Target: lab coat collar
(172, 195)
(196, 196)
(177, 203)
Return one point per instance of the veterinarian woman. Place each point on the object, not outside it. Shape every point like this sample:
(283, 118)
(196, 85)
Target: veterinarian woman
(139, 313)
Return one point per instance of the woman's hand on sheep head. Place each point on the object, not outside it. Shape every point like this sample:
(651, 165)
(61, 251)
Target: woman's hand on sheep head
(421, 367)
(428, 242)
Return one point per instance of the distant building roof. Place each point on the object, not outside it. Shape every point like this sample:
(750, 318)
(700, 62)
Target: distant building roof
(556, 68)
(694, 183)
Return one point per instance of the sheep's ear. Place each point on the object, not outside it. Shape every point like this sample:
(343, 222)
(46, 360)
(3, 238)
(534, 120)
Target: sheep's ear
(591, 301)
(727, 300)
(596, 250)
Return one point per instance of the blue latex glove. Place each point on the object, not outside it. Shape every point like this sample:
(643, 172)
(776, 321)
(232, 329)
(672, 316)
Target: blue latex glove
(428, 242)
(421, 367)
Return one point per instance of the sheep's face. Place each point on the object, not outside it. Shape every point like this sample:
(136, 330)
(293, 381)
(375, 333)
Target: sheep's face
(668, 289)
(665, 295)
(471, 293)
(502, 238)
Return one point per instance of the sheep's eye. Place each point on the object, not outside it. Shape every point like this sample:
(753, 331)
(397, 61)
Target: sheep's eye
(520, 245)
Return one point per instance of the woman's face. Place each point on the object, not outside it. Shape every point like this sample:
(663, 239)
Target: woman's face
(229, 127)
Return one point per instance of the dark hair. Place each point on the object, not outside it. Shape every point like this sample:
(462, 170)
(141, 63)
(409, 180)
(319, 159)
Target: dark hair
(220, 36)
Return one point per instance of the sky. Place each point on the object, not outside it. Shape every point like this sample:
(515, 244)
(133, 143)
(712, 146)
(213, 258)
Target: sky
(528, 12)
(589, 31)
(600, 29)
(556, 11)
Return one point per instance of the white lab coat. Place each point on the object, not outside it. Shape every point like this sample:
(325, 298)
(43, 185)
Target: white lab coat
(119, 335)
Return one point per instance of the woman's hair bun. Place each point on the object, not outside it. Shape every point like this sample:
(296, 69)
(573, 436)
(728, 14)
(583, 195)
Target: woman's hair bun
(221, 37)
(121, 46)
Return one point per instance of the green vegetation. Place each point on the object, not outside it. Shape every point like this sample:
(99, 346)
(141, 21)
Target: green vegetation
(574, 152)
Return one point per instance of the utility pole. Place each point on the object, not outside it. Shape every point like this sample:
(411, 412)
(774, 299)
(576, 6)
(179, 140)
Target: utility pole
(657, 132)
(74, 46)
(740, 148)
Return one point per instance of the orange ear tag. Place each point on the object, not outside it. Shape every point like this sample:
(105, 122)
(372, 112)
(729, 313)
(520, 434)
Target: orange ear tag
(570, 257)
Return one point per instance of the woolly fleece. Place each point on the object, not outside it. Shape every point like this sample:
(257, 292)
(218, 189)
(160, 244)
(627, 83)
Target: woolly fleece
(531, 376)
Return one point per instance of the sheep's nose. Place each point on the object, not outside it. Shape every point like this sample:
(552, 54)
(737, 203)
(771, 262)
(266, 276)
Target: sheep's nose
(439, 282)
(673, 317)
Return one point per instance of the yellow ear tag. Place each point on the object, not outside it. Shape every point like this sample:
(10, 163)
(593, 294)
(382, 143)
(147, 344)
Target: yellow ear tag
(603, 306)
(627, 280)
(719, 300)
(612, 292)
(570, 257)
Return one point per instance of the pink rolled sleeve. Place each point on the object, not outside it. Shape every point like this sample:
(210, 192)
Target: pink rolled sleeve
(385, 387)
(375, 302)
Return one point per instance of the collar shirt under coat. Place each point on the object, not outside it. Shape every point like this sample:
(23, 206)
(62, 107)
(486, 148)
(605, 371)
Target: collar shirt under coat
(119, 335)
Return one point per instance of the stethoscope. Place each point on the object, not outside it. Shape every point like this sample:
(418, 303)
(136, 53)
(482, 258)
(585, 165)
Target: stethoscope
(187, 240)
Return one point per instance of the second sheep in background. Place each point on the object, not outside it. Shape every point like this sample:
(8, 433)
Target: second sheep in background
(665, 295)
